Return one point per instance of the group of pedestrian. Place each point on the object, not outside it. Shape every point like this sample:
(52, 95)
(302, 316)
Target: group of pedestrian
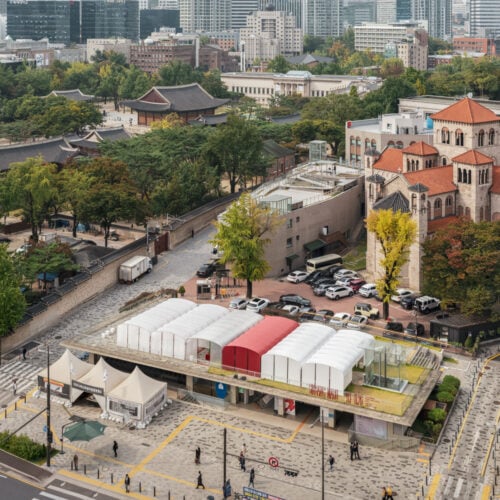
(387, 493)
(355, 450)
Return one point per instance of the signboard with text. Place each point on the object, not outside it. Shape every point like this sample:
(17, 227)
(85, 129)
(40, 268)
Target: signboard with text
(253, 494)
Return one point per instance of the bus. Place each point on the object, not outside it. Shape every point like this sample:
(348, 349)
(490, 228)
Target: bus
(323, 262)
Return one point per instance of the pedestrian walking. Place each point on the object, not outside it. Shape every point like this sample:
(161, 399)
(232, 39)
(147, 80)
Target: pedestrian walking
(331, 461)
(115, 448)
(352, 451)
(252, 478)
(389, 493)
(14, 387)
(127, 482)
(244, 449)
(228, 491)
(197, 455)
(24, 353)
(242, 459)
(75, 461)
(384, 493)
(356, 450)
(200, 481)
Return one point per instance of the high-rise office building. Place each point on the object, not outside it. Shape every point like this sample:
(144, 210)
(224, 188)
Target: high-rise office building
(205, 15)
(359, 13)
(240, 9)
(439, 16)
(484, 18)
(322, 17)
(291, 7)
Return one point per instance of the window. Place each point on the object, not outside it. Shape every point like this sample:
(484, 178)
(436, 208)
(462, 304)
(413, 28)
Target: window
(480, 138)
(297, 219)
(491, 137)
(289, 242)
(297, 237)
(445, 136)
(459, 175)
(459, 138)
(289, 223)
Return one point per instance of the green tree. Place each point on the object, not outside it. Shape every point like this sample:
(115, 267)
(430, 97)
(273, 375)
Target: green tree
(135, 83)
(12, 301)
(392, 67)
(33, 185)
(313, 44)
(236, 149)
(279, 65)
(212, 83)
(241, 237)
(395, 232)
(461, 265)
(178, 73)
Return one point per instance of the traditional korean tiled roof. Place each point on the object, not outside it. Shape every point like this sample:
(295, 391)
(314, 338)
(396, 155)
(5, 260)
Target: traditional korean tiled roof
(72, 95)
(395, 201)
(391, 160)
(159, 107)
(473, 157)
(420, 148)
(210, 120)
(466, 111)
(437, 179)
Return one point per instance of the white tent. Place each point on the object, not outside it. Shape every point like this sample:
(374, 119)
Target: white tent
(207, 344)
(331, 366)
(101, 379)
(175, 334)
(135, 332)
(67, 368)
(137, 398)
(284, 361)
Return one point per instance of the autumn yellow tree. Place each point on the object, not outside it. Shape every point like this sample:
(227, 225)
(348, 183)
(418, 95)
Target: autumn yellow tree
(395, 232)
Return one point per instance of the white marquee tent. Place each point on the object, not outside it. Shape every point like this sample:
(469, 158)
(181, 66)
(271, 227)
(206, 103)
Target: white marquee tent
(101, 379)
(173, 336)
(62, 372)
(135, 332)
(137, 398)
(331, 366)
(207, 344)
(283, 362)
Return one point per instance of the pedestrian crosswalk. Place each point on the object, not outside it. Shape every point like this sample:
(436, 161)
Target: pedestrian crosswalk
(66, 490)
(23, 373)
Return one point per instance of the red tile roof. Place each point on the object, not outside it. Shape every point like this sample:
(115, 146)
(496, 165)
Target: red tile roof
(495, 184)
(438, 179)
(391, 160)
(435, 225)
(473, 157)
(466, 111)
(421, 149)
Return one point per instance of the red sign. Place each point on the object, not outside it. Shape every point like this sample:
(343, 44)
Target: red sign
(273, 462)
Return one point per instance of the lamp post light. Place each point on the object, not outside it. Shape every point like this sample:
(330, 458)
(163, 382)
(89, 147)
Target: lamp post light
(322, 455)
(49, 432)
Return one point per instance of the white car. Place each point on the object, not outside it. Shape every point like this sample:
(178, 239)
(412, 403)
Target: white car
(257, 304)
(357, 322)
(368, 290)
(400, 293)
(238, 303)
(297, 276)
(291, 310)
(340, 319)
(337, 292)
(345, 273)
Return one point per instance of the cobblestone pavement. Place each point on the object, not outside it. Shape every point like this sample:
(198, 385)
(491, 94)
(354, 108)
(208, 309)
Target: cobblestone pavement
(161, 457)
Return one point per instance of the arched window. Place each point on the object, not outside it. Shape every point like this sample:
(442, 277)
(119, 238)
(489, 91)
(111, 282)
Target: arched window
(443, 161)
(437, 208)
(469, 177)
(408, 165)
(399, 145)
(486, 176)
(429, 211)
(374, 144)
(367, 144)
(459, 137)
(491, 137)
(390, 144)
(448, 206)
(417, 165)
(480, 138)
(445, 136)
(467, 212)
(413, 165)
(459, 175)
(460, 210)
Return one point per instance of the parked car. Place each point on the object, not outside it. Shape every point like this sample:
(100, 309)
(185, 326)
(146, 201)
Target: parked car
(324, 315)
(427, 304)
(345, 281)
(307, 314)
(356, 284)
(206, 270)
(415, 329)
(408, 300)
(334, 269)
(322, 287)
(291, 310)
(345, 273)
(297, 276)
(337, 292)
(321, 279)
(368, 290)
(400, 293)
(357, 322)
(366, 309)
(295, 300)
(257, 304)
(4, 239)
(238, 303)
(314, 275)
(394, 326)
(340, 319)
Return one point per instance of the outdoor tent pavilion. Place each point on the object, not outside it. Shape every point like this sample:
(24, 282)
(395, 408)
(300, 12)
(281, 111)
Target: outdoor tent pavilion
(174, 335)
(62, 372)
(135, 332)
(138, 398)
(208, 343)
(244, 353)
(331, 366)
(283, 362)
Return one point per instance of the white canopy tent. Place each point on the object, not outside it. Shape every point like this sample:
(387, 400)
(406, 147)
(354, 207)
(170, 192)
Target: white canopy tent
(135, 332)
(207, 344)
(283, 362)
(67, 368)
(137, 398)
(173, 336)
(331, 366)
(101, 379)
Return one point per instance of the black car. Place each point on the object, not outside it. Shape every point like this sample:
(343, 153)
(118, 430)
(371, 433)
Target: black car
(333, 269)
(415, 329)
(320, 280)
(408, 301)
(314, 276)
(295, 300)
(206, 270)
(394, 326)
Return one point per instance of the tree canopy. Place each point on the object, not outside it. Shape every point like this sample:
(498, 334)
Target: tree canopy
(395, 232)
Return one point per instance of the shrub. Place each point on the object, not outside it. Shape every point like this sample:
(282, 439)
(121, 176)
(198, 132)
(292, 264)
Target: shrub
(22, 446)
(450, 379)
(436, 429)
(469, 342)
(182, 290)
(445, 397)
(436, 415)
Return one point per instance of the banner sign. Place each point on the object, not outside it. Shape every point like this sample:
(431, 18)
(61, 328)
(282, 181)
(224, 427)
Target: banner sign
(87, 388)
(253, 494)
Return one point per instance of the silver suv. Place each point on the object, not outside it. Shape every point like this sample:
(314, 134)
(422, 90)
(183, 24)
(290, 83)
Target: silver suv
(426, 304)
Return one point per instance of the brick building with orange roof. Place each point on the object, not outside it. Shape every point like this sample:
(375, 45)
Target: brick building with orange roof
(459, 175)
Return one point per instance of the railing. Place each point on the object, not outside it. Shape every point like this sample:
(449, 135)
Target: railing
(203, 399)
(393, 443)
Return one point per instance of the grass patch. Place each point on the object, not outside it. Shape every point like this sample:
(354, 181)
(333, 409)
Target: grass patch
(356, 258)
(447, 359)
(412, 373)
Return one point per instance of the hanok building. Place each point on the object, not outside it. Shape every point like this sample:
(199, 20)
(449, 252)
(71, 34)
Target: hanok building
(188, 101)
(89, 144)
(459, 175)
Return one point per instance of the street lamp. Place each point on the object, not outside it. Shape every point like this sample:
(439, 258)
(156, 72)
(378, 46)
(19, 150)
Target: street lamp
(49, 432)
(322, 454)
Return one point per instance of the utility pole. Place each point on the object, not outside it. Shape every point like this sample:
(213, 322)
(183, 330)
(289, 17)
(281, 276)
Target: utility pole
(225, 459)
(322, 456)
(49, 432)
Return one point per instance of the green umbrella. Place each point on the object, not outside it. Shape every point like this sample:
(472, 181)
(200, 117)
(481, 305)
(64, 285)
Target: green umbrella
(84, 431)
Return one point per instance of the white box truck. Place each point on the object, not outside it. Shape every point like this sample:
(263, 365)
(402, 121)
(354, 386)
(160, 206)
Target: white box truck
(132, 269)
